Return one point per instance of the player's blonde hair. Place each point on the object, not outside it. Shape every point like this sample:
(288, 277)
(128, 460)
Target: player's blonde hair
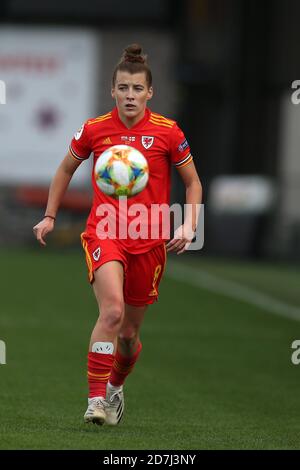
(133, 61)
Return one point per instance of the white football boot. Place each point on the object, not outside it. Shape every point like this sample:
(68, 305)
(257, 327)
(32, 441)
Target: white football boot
(96, 411)
(114, 404)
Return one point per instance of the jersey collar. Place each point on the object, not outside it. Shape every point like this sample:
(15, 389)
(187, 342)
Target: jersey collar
(140, 123)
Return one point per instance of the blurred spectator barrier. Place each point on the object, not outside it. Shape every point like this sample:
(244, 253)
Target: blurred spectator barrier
(238, 213)
(21, 207)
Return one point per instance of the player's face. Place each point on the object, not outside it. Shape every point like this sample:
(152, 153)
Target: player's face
(131, 93)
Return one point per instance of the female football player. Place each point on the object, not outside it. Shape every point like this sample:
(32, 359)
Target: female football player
(125, 272)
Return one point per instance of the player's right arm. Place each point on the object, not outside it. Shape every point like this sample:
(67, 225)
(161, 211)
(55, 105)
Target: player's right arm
(58, 187)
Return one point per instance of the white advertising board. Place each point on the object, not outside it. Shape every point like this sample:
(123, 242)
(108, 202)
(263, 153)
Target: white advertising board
(50, 82)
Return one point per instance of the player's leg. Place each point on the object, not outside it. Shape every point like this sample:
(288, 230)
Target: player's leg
(106, 263)
(129, 344)
(108, 289)
(143, 276)
(129, 339)
(128, 350)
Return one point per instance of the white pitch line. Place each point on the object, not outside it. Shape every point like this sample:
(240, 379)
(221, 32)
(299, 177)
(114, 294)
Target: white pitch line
(199, 278)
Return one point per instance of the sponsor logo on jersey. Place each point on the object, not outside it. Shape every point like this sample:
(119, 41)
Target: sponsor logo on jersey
(147, 141)
(96, 253)
(126, 138)
(183, 146)
(107, 140)
(78, 133)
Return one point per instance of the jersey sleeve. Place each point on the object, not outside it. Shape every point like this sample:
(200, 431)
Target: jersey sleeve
(179, 148)
(80, 147)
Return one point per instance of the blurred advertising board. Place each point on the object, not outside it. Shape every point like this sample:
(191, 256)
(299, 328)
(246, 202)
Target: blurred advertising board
(50, 77)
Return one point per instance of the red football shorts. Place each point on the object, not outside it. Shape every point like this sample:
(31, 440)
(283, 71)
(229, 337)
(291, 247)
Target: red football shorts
(143, 272)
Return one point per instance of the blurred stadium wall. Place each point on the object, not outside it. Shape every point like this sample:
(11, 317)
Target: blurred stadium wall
(223, 69)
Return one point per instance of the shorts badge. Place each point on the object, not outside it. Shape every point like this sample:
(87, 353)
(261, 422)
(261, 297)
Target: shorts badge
(96, 253)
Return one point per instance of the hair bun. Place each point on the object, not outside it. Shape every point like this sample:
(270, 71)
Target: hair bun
(133, 53)
(133, 61)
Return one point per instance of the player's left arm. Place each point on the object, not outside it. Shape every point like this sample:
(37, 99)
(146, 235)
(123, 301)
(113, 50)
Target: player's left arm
(184, 234)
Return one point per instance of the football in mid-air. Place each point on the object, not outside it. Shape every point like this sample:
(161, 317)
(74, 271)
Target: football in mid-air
(121, 170)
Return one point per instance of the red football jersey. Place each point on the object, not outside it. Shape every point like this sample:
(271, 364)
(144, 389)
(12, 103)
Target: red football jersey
(162, 143)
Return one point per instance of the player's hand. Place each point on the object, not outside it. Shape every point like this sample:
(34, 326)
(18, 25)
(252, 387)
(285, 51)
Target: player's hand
(183, 237)
(42, 228)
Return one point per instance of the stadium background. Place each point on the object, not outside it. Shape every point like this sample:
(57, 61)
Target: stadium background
(216, 370)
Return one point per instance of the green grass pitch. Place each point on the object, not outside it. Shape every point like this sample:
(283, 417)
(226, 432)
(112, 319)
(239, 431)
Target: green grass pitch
(214, 373)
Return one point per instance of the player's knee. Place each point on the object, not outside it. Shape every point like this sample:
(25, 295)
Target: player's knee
(128, 336)
(112, 315)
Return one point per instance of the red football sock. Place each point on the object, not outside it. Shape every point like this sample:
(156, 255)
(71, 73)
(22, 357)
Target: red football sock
(99, 368)
(122, 366)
